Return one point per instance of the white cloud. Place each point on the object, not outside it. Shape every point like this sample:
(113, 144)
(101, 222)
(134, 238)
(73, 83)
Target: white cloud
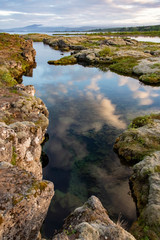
(80, 13)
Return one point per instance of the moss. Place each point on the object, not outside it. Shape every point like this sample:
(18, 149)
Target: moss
(8, 119)
(14, 156)
(144, 232)
(124, 65)
(152, 78)
(90, 44)
(7, 79)
(141, 121)
(155, 65)
(68, 60)
(37, 188)
(16, 200)
(106, 52)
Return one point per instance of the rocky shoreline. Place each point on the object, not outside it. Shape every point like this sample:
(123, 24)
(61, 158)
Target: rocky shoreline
(139, 146)
(122, 55)
(25, 197)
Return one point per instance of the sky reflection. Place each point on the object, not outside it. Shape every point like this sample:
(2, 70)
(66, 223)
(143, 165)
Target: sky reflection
(88, 109)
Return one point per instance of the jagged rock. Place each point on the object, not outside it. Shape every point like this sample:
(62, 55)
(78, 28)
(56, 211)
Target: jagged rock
(28, 52)
(89, 55)
(24, 203)
(91, 222)
(20, 146)
(133, 144)
(24, 198)
(20, 141)
(142, 145)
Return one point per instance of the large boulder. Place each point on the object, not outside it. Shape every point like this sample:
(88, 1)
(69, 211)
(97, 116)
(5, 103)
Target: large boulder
(24, 203)
(147, 66)
(140, 146)
(91, 222)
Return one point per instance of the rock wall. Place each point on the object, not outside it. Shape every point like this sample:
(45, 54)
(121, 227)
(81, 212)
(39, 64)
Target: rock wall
(140, 147)
(24, 197)
(23, 203)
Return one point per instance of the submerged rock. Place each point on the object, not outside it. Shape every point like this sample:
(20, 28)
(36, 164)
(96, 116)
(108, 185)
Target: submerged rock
(91, 222)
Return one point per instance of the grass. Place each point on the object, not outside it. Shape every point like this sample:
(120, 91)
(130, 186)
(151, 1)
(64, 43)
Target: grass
(68, 60)
(11, 51)
(135, 33)
(106, 52)
(141, 121)
(14, 156)
(152, 78)
(124, 65)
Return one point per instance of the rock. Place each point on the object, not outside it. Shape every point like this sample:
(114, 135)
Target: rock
(119, 41)
(28, 52)
(24, 197)
(133, 144)
(140, 145)
(132, 53)
(91, 222)
(20, 146)
(89, 56)
(145, 66)
(23, 204)
(77, 47)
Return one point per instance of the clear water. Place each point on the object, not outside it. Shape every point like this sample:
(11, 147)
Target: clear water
(88, 109)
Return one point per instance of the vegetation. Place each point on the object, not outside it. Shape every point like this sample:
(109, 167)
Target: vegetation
(36, 37)
(141, 30)
(14, 156)
(12, 62)
(107, 51)
(68, 60)
(124, 65)
(141, 121)
(152, 78)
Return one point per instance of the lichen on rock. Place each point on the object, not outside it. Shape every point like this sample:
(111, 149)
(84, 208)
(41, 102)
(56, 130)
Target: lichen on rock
(140, 147)
(91, 222)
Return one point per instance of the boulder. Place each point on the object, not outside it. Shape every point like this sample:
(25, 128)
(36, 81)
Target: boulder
(140, 147)
(91, 222)
(147, 66)
(24, 203)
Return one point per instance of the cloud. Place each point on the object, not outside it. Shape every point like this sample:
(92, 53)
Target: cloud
(144, 95)
(79, 13)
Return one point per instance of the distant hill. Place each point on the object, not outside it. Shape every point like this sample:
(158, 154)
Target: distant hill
(41, 28)
(129, 29)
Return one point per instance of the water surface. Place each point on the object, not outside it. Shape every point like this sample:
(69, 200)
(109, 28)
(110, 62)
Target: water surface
(88, 109)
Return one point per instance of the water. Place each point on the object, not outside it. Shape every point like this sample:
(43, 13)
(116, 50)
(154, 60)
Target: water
(147, 39)
(88, 110)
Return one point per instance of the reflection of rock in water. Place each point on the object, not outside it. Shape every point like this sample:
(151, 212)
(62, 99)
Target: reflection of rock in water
(44, 157)
(96, 172)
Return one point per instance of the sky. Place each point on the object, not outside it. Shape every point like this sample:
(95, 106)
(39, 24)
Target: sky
(73, 13)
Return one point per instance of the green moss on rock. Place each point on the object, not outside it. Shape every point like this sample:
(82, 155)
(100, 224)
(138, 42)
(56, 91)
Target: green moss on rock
(124, 65)
(68, 60)
(152, 78)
